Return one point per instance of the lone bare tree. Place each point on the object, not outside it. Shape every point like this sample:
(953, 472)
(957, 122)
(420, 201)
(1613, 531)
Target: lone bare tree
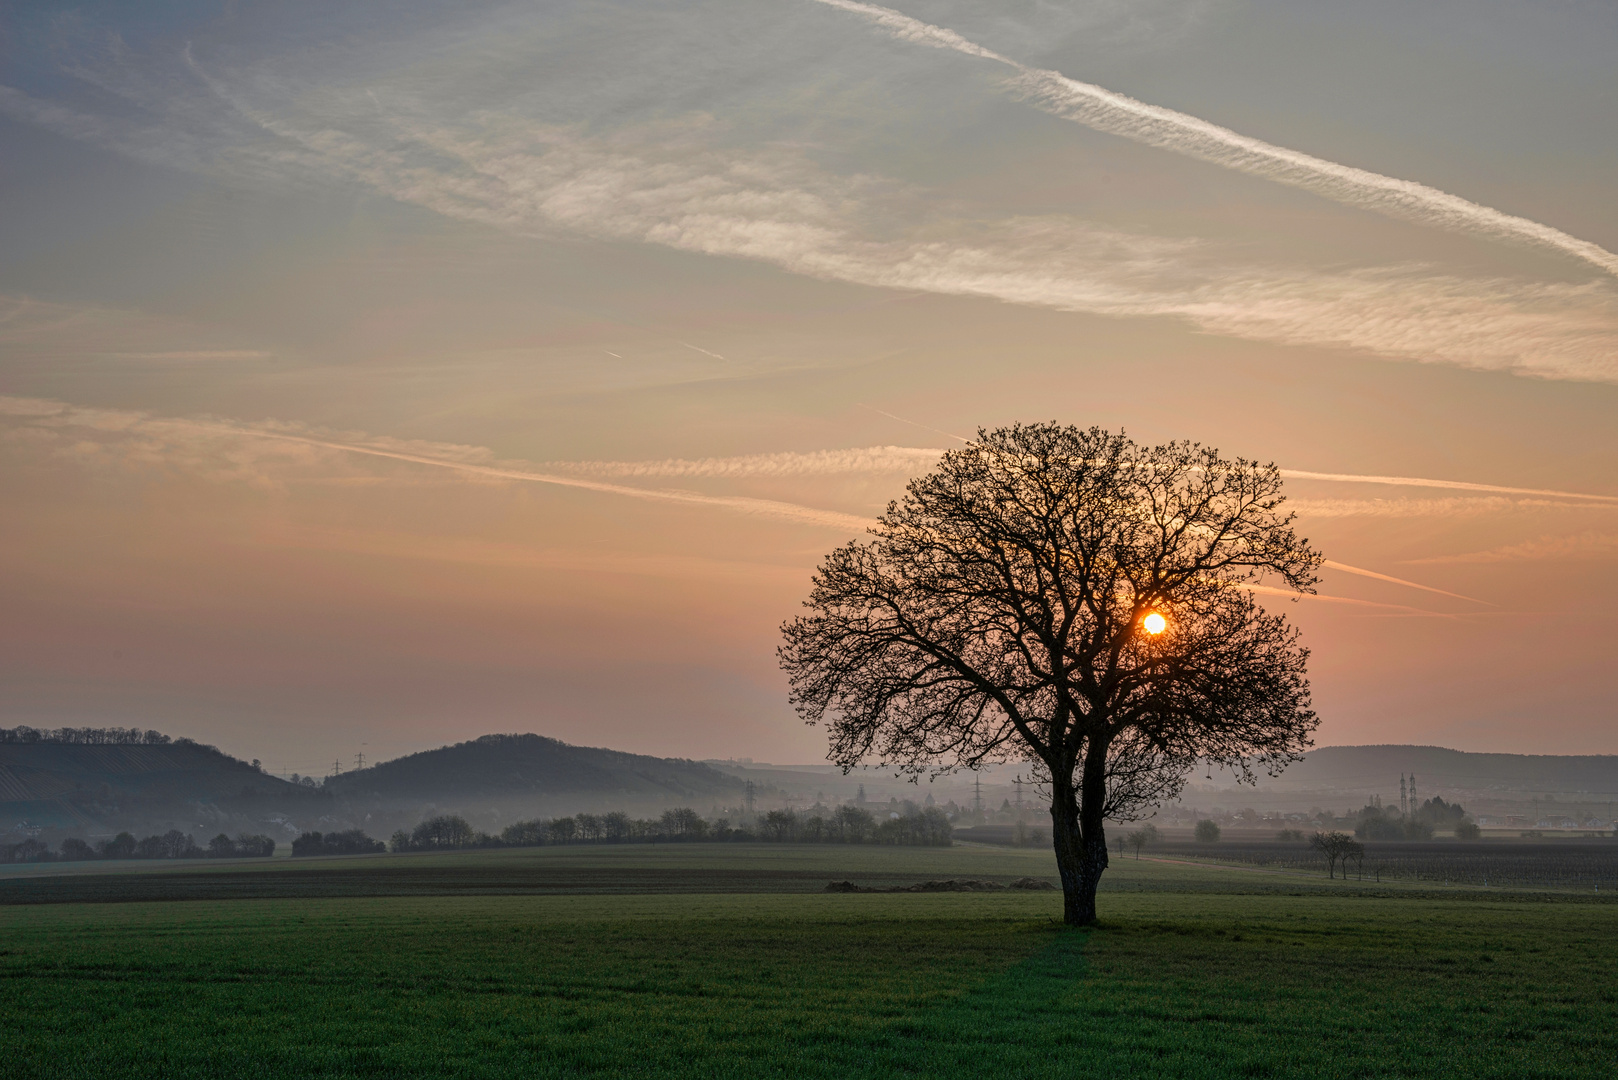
(1071, 599)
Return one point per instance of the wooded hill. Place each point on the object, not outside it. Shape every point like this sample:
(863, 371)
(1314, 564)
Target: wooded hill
(503, 766)
(92, 782)
(90, 788)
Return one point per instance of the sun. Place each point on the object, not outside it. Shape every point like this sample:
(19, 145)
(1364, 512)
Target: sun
(1154, 623)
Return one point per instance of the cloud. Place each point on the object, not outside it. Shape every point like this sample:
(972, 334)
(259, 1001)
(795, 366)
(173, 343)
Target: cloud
(890, 460)
(665, 187)
(770, 508)
(1323, 598)
(228, 450)
(894, 461)
(694, 182)
(475, 552)
(1102, 109)
(1331, 564)
(232, 450)
(1586, 545)
(42, 328)
(1458, 485)
(1433, 508)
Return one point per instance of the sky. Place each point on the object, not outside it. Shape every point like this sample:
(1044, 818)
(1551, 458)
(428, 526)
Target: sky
(375, 376)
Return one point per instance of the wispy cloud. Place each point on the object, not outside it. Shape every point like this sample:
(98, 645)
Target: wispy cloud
(213, 448)
(1586, 545)
(1433, 508)
(894, 461)
(691, 183)
(475, 552)
(1104, 110)
(759, 507)
(1332, 564)
(1456, 485)
(1325, 598)
(890, 460)
(662, 187)
(48, 329)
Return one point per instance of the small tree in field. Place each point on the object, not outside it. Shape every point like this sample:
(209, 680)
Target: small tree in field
(1337, 847)
(1071, 599)
(1206, 832)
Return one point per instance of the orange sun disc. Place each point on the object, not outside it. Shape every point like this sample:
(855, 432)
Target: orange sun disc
(1155, 623)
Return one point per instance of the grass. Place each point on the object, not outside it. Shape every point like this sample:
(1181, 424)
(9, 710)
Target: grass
(1195, 972)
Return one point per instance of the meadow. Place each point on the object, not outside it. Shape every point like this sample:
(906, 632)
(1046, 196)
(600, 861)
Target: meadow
(709, 961)
(1562, 863)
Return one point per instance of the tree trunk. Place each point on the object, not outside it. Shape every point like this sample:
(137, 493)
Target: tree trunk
(1080, 841)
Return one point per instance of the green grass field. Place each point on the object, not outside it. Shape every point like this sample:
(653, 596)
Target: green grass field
(704, 961)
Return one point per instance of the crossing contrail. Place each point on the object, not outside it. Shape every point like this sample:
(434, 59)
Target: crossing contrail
(1334, 565)
(765, 507)
(762, 507)
(1117, 114)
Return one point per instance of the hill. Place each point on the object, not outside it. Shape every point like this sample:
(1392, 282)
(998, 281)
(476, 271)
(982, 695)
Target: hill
(532, 767)
(94, 788)
(1589, 776)
(1351, 775)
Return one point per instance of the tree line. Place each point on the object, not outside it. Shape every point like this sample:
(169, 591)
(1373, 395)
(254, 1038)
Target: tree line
(352, 842)
(919, 826)
(173, 844)
(1387, 823)
(86, 736)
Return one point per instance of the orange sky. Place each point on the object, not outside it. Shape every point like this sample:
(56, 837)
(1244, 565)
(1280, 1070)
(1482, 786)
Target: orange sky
(372, 383)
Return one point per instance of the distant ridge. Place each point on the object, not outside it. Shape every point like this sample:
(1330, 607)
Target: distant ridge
(503, 766)
(1376, 769)
(100, 787)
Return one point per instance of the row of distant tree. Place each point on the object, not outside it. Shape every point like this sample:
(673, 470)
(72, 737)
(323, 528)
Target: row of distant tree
(352, 842)
(927, 826)
(86, 736)
(173, 844)
(1387, 823)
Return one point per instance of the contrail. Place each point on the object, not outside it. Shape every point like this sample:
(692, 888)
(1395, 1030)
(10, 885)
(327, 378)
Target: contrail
(1459, 485)
(763, 507)
(1117, 114)
(913, 423)
(893, 458)
(1270, 590)
(1401, 581)
(701, 350)
(786, 464)
(870, 459)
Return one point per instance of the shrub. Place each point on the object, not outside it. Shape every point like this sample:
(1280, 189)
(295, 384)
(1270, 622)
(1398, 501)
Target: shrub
(1207, 832)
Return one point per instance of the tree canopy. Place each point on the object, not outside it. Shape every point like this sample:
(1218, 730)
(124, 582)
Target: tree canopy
(1002, 611)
